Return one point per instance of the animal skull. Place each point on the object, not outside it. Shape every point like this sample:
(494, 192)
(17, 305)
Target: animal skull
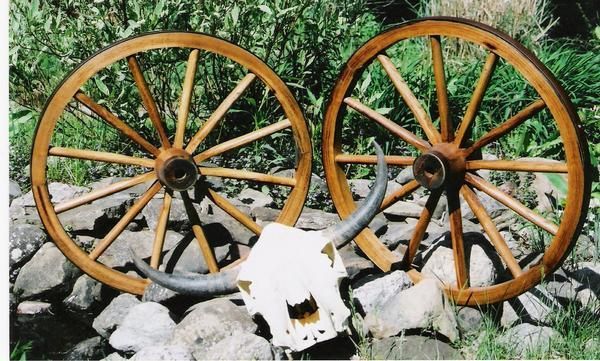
(292, 279)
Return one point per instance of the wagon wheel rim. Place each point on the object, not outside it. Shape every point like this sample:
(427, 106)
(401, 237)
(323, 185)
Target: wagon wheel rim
(444, 144)
(173, 166)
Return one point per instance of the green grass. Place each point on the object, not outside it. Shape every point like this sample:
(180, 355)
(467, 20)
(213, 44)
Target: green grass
(20, 350)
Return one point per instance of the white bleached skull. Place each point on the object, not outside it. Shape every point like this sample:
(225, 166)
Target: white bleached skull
(292, 279)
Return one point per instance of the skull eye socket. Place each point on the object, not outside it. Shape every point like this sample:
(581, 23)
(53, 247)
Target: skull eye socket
(329, 251)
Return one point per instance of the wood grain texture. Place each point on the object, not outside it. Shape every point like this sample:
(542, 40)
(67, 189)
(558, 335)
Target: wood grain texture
(437, 58)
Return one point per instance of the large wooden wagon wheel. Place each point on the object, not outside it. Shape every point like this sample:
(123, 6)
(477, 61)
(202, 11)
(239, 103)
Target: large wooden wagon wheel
(170, 162)
(444, 158)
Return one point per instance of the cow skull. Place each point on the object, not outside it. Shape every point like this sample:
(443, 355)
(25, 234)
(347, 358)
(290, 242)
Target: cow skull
(291, 276)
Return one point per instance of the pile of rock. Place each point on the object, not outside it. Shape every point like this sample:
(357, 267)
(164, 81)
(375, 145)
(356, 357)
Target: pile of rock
(398, 318)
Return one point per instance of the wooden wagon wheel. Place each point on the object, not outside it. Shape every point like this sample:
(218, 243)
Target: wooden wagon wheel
(446, 163)
(173, 162)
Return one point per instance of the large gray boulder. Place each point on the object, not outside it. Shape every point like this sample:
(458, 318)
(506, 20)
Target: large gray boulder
(373, 292)
(163, 352)
(48, 274)
(90, 349)
(142, 242)
(24, 241)
(422, 306)
(412, 348)
(239, 346)
(527, 337)
(146, 324)
(254, 199)
(59, 192)
(97, 215)
(86, 294)
(209, 322)
(186, 256)
(314, 219)
(397, 232)
(112, 316)
(403, 209)
(178, 218)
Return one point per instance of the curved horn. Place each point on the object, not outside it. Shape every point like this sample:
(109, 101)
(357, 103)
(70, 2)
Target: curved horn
(194, 285)
(346, 230)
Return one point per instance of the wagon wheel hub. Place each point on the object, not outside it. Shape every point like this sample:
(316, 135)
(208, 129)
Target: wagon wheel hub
(176, 169)
(442, 165)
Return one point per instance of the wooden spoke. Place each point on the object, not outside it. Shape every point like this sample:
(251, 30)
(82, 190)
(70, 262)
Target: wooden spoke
(247, 175)
(100, 156)
(440, 85)
(409, 98)
(394, 128)
(99, 193)
(230, 209)
(494, 134)
(400, 193)
(519, 165)
(511, 203)
(148, 100)
(219, 113)
(490, 229)
(186, 98)
(116, 123)
(456, 233)
(476, 98)
(161, 230)
(421, 227)
(372, 159)
(123, 222)
(207, 251)
(242, 140)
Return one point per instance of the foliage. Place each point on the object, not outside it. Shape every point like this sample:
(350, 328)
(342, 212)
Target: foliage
(20, 350)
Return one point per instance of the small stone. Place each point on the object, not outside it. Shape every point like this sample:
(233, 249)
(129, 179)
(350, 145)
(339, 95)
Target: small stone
(396, 233)
(402, 209)
(59, 192)
(91, 349)
(372, 292)
(98, 214)
(469, 320)
(315, 220)
(405, 176)
(146, 324)
(254, 199)
(209, 322)
(178, 218)
(163, 352)
(118, 254)
(112, 316)
(525, 337)
(33, 308)
(47, 274)
(422, 306)
(239, 346)
(14, 191)
(360, 188)
(87, 293)
(25, 240)
(413, 348)
(354, 263)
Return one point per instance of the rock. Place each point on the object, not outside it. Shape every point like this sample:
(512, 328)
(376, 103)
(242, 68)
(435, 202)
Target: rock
(360, 188)
(525, 337)
(396, 233)
(588, 274)
(59, 192)
(354, 263)
(114, 357)
(14, 191)
(87, 293)
(492, 206)
(584, 249)
(373, 292)
(422, 306)
(209, 322)
(112, 316)
(509, 315)
(546, 193)
(24, 241)
(178, 218)
(314, 219)
(254, 199)
(187, 256)
(413, 348)
(264, 215)
(405, 176)
(47, 274)
(33, 308)
(482, 264)
(163, 352)
(440, 209)
(91, 349)
(97, 215)
(157, 293)
(403, 209)
(532, 305)
(146, 324)
(118, 254)
(470, 320)
(239, 346)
